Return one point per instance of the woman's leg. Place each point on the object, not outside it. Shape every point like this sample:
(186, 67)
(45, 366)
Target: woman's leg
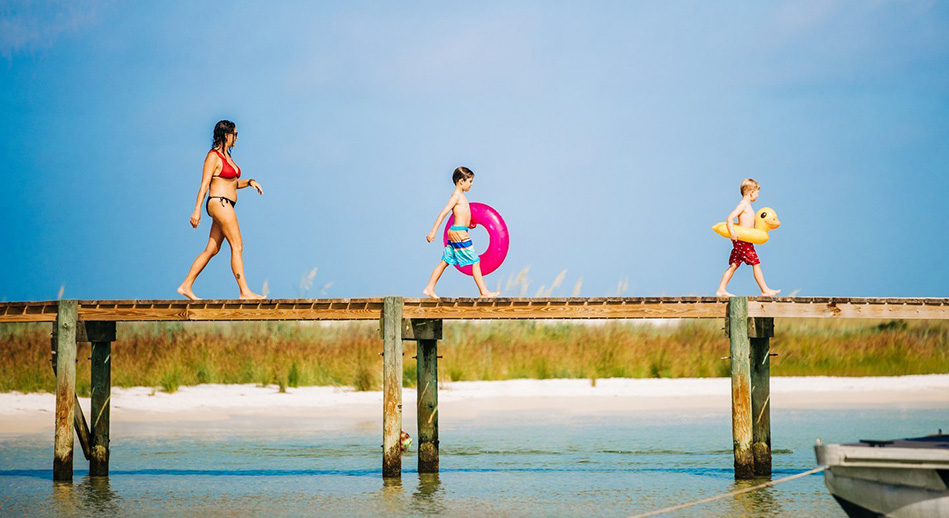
(214, 246)
(225, 215)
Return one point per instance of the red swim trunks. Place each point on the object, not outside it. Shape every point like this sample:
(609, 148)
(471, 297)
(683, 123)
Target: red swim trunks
(743, 252)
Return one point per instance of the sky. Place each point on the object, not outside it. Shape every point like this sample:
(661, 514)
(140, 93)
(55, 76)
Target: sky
(611, 136)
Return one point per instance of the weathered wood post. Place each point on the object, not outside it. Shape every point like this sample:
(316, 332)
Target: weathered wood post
(741, 387)
(761, 332)
(79, 419)
(101, 334)
(392, 387)
(426, 333)
(66, 317)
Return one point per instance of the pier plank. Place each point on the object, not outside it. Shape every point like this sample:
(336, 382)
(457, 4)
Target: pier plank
(568, 309)
(43, 311)
(472, 308)
(883, 309)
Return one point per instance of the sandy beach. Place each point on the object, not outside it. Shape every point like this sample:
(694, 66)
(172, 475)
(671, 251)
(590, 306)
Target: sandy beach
(33, 413)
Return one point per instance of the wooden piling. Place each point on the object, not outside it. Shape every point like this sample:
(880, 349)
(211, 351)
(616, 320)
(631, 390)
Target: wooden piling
(101, 334)
(427, 333)
(741, 387)
(89, 332)
(392, 387)
(763, 330)
(66, 318)
(79, 419)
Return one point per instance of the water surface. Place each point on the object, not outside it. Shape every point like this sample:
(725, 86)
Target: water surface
(511, 464)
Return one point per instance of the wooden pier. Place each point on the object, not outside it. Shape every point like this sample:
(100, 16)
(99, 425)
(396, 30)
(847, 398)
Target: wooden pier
(749, 322)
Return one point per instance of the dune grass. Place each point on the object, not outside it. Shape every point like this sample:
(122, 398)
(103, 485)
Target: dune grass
(289, 354)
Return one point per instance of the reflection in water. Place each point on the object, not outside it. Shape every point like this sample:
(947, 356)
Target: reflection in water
(97, 496)
(428, 485)
(392, 485)
(63, 493)
(427, 496)
(92, 495)
(760, 502)
(392, 492)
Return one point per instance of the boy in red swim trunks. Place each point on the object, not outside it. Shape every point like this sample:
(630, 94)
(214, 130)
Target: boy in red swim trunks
(743, 252)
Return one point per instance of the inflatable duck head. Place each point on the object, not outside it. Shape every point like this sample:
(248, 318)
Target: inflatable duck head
(767, 219)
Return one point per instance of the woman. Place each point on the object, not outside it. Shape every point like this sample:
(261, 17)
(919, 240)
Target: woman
(221, 180)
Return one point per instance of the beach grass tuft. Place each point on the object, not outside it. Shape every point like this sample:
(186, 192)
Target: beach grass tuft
(292, 354)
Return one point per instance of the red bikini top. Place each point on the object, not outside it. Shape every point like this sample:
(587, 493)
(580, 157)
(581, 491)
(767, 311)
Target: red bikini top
(227, 172)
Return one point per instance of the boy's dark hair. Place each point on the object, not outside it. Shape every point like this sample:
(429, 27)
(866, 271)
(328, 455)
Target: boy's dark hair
(461, 173)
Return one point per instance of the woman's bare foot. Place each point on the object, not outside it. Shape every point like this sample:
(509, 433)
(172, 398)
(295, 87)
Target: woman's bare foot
(430, 293)
(187, 293)
(489, 294)
(722, 294)
(770, 293)
(251, 295)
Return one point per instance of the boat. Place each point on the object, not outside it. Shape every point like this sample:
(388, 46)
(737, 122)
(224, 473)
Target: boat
(901, 478)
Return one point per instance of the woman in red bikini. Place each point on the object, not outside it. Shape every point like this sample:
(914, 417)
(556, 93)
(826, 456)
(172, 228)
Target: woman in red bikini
(221, 180)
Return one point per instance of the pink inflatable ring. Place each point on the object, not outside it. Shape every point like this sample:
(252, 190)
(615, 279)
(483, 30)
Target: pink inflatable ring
(496, 251)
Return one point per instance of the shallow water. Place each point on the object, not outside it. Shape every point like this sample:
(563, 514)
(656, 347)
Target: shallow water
(514, 464)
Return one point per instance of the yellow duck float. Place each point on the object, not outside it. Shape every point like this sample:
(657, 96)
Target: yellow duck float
(765, 221)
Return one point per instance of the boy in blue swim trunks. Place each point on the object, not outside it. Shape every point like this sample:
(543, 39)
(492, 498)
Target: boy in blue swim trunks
(459, 249)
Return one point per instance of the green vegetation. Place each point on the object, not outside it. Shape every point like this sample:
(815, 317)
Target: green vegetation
(290, 354)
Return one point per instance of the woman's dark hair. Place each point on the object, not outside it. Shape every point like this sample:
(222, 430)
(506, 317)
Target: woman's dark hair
(221, 130)
(461, 173)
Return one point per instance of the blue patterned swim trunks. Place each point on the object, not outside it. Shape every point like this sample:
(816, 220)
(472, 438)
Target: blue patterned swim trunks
(461, 253)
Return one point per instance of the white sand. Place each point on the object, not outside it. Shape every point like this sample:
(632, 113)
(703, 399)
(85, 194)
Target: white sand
(33, 413)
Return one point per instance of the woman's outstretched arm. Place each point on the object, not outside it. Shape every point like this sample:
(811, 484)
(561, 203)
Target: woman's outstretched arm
(250, 183)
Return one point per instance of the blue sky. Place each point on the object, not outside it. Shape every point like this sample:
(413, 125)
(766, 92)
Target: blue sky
(610, 136)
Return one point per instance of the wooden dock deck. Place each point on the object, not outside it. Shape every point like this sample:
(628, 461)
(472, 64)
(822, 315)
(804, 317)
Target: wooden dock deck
(475, 309)
(749, 323)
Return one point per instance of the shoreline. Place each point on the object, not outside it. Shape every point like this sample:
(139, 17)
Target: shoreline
(34, 413)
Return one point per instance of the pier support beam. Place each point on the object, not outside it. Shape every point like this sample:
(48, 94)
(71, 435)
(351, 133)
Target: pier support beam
(741, 387)
(761, 332)
(101, 334)
(95, 444)
(426, 333)
(79, 419)
(392, 387)
(65, 333)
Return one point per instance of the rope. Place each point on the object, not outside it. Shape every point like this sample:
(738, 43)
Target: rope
(732, 493)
